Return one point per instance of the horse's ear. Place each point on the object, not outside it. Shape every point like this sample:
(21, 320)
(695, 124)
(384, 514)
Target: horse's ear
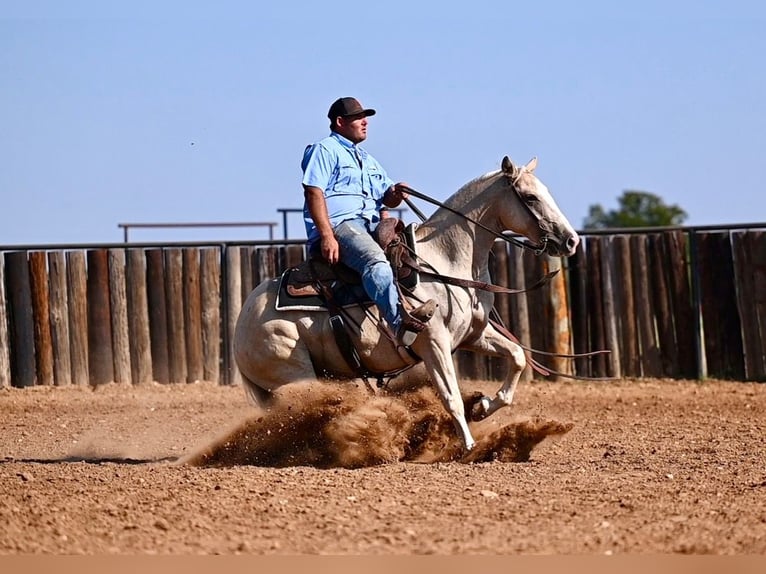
(508, 166)
(530, 167)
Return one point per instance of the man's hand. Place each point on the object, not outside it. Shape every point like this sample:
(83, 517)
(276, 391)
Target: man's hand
(318, 210)
(395, 194)
(330, 249)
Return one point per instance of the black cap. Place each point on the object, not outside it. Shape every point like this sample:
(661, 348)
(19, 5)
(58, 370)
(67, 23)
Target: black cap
(345, 107)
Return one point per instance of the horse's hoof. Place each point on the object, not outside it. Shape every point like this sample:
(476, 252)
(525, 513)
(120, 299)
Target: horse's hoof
(478, 407)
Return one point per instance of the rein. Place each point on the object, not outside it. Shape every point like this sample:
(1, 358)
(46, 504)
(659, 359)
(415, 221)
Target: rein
(538, 250)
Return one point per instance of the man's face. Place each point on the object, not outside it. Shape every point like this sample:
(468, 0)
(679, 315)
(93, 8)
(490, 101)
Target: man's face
(353, 128)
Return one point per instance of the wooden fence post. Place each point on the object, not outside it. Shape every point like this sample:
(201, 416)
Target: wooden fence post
(745, 248)
(38, 274)
(721, 323)
(100, 356)
(210, 293)
(518, 304)
(651, 365)
(233, 307)
(77, 288)
(623, 287)
(247, 272)
(611, 301)
(757, 242)
(668, 350)
(22, 324)
(676, 252)
(138, 318)
(59, 319)
(119, 316)
(5, 355)
(158, 317)
(578, 272)
(192, 314)
(596, 307)
(558, 318)
(175, 309)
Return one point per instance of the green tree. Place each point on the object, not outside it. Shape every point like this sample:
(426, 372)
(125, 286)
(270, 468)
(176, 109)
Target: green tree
(637, 209)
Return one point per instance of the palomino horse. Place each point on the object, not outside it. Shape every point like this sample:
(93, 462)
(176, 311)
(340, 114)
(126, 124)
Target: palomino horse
(274, 348)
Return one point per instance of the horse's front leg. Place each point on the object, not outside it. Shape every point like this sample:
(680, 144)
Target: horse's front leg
(438, 362)
(495, 344)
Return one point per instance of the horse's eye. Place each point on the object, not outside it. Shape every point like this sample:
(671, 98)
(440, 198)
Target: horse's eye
(531, 200)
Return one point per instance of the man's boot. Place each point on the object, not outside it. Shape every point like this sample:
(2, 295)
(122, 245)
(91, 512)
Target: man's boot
(413, 322)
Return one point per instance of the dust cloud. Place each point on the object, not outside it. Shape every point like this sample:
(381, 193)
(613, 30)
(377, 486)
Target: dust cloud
(330, 425)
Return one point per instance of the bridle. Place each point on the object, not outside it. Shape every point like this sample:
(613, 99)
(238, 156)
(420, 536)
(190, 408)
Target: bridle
(513, 180)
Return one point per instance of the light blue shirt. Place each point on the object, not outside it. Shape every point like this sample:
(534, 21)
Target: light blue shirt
(351, 191)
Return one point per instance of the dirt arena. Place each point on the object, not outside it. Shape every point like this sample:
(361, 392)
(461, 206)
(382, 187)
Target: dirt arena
(588, 468)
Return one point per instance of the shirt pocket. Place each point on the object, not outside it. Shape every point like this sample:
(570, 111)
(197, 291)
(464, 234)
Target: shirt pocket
(348, 180)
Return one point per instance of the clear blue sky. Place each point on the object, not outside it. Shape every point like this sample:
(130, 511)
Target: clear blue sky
(174, 112)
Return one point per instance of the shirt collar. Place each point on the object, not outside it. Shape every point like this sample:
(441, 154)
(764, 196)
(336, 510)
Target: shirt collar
(347, 143)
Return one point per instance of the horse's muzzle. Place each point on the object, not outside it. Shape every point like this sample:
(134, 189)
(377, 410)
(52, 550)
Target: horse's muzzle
(563, 246)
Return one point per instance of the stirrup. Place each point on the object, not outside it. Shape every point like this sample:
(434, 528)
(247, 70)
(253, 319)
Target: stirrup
(413, 322)
(425, 311)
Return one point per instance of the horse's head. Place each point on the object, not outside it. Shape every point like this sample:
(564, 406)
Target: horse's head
(544, 224)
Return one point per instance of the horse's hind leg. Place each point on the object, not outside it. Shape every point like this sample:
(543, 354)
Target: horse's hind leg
(258, 395)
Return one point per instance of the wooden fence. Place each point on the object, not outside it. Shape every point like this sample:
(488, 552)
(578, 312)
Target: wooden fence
(680, 303)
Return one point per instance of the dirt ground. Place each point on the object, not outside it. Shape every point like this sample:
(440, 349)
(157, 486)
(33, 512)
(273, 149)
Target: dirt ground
(619, 467)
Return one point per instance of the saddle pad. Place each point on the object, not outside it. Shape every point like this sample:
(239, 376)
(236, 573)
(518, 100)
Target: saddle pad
(285, 301)
(345, 296)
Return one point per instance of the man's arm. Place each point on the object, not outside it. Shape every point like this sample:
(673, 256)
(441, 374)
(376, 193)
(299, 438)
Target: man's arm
(318, 211)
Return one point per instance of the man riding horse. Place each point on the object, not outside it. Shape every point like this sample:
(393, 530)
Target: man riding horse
(276, 346)
(345, 189)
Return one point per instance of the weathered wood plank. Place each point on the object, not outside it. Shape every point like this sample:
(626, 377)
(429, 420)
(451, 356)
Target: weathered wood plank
(598, 340)
(175, 309)
(757, 240)
(100, 356)
(210, 289)
(265, 263)
(518, 310)
(294, 255)
(119, 316)
(651, 364)
(720, 316)
(192, 314)
(610, 307)
(138, 317)
(661, 299)
(59, 319)
(22, 339)
(5, 353)
(38, 276)
(77, 287)
(158, 317)
(745, 271)
(558, 327)
(677, 254)
(233, 297)
(623, 287)
(577, 272)
(537, 309)
(247, 270)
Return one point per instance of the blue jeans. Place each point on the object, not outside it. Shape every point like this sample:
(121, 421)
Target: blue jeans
(360, 251)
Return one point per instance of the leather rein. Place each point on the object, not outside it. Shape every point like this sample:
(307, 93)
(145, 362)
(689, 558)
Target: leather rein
(537, 249)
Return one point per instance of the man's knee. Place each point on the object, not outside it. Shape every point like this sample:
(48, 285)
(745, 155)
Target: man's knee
(379, 271)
